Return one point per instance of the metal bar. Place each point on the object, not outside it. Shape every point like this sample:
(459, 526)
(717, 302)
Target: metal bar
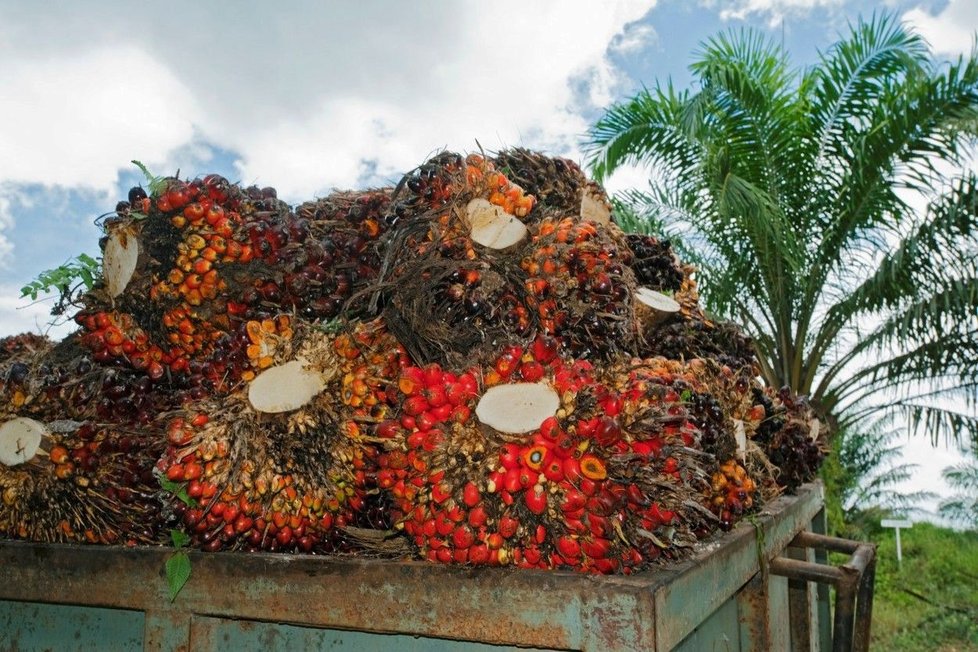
(864, 607)
(803, 570)
(835, 544)
(854, 583)
(803, 606)
(753, 615)
(820, 526)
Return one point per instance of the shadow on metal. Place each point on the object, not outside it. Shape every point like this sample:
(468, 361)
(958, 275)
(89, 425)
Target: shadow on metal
(853, 582)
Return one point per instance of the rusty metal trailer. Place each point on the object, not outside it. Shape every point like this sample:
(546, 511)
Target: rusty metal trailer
(759, 587)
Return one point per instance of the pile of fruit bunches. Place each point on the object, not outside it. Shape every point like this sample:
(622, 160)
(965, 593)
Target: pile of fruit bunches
(477, 366)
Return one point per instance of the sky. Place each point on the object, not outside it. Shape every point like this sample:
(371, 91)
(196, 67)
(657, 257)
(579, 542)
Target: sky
(314, 96)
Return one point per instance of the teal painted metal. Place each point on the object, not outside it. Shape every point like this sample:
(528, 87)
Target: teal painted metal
(347, 601)
(718, 633)
(29, 626)
(217, 634)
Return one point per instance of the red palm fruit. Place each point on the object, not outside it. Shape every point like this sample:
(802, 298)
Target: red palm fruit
(550, 428)
(572, 470)
(512, 481)
(412, 381)
(479, 554)
(509, 456)
(471, 495)
(574, 500)
(536, 457)
(536, 499)
(569, 548)
(477, 516)
(415, 406)
(462, 537)
(532, 371)
(596, 548)
(508, 526)
(607, 432)
(553, 470)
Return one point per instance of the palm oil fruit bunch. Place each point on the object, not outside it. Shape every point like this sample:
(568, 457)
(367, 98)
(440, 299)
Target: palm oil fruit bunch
(19, 356)
(732, 492)
(580, 287)
(204, 252)
(281, 462)
(64, 382)
(558, 184)
(78, 482)
(654, 263)
(337, 252)
(678, 436)
(464, 492)
(534, 461)
(789, 435)
(452, 285)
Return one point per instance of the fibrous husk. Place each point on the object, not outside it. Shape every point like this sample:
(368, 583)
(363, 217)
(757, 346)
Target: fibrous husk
(88, 483)
(287, 480)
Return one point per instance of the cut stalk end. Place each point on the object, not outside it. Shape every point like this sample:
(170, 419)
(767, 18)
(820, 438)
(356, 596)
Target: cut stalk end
(119, 260)
(20, 440)
(492, 227)
(285, 388)
(517, 407)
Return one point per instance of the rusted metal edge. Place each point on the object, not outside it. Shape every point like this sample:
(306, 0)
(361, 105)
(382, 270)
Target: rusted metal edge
(707, 580)
(562, 610)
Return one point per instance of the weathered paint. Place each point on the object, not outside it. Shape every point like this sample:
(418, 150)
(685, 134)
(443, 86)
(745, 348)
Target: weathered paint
(705, 582)
(655, 610)
(718, 633)
(220, 634)
(35, 627)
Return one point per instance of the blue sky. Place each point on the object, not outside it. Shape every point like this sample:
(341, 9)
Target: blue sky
(310, 96)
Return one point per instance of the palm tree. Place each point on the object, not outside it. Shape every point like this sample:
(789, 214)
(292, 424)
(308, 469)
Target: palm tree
(864, 473)
(963, 506)
(796, 192)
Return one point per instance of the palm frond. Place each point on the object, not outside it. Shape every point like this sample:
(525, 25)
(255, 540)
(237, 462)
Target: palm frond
(650, 128)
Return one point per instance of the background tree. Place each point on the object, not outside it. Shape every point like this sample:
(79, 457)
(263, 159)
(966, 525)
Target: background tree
(962, 507)
(864, 472)
(797, 193)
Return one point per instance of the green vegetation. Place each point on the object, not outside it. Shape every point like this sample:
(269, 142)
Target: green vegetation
(932, 602)
(790, 189)
(862, 476)
(962, 507)
(76, 275)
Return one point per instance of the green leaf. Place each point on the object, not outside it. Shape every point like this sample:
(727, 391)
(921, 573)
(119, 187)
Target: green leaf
(177, 573)
(83, 268)
(179, 538)
(179, 490)
(156, 184)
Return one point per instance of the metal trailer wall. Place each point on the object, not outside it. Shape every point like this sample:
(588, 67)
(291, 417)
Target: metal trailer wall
(63, 597)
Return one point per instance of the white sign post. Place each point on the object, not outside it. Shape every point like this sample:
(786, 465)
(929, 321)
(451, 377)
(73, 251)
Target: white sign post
(896, 524)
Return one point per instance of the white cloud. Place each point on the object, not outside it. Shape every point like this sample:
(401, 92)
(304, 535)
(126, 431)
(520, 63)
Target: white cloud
(635, 38)
(775, 10)
(302, 92)
(950, 32)
(73, 120)
(23, 316)
(7, 197)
